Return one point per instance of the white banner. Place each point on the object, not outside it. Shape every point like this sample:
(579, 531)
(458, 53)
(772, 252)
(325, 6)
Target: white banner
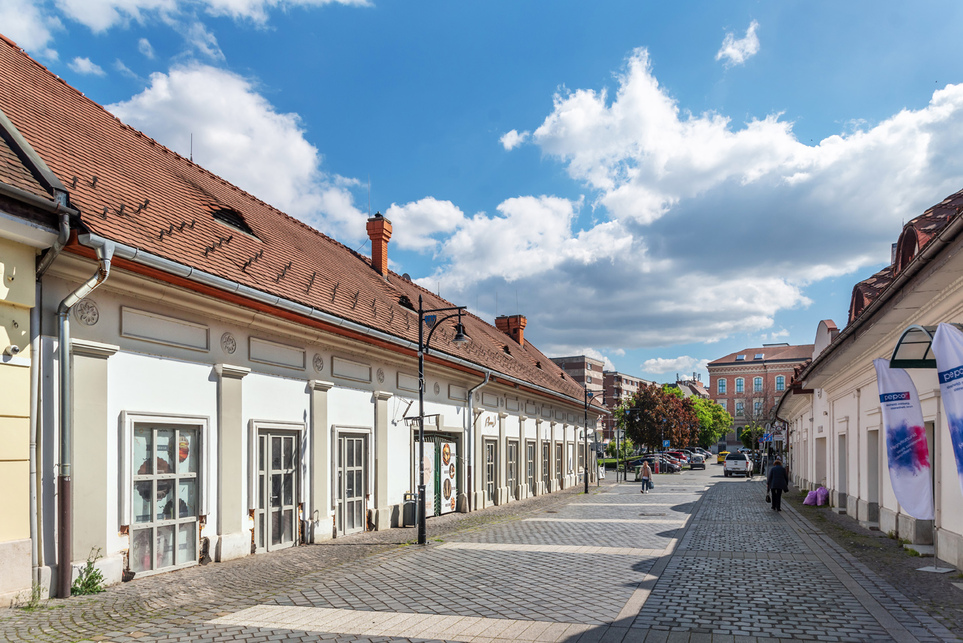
(906, 448)
(948, 348)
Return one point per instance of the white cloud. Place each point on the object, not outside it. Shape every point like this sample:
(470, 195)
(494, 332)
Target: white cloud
(686, 209)
(203, 41)
(86, 67)
(416, 225)
(144, 47)
(30, 26)
(511, 140)
(529, 237)
(238, 135)
(682, 365)
(125, 70)
(101, 15)
(738, 51)
(257, 10)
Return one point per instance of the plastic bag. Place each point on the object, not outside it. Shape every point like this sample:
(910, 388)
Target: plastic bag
(822, 496)
(810, 499)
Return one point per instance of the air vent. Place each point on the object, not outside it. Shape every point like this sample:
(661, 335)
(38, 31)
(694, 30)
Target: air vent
(405, 302)
(538, 364)
(506, 350)
(234, 219)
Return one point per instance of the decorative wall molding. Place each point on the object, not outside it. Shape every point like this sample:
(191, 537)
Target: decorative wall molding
(92, 349)
(407, 382)
(267, 352)
(161, 329)
(456, 392)
(350, 370)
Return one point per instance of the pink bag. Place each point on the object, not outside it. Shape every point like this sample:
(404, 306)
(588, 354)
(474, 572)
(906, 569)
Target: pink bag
(822, 496)
(810, 499)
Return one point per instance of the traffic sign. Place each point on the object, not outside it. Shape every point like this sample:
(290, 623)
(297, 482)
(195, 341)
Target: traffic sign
(665, 444)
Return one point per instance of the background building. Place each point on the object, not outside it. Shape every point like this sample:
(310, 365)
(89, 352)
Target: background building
(749, 383)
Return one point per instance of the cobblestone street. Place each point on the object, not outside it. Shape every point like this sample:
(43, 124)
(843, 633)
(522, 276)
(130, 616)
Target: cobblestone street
(700, 558)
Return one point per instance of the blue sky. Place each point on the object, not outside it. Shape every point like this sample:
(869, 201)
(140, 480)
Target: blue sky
(657, 184)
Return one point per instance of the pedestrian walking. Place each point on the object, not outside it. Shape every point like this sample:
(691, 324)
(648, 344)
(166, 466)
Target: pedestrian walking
(646, 476)
(777, 481)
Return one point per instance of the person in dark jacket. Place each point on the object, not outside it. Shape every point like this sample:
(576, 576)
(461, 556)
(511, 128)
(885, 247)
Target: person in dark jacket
(777, 481)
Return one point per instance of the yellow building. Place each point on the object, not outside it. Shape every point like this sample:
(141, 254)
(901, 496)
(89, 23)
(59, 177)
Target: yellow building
(28, 223)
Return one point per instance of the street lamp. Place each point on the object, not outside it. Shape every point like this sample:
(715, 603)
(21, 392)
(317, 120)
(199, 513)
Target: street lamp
(459, 339)
(589, 398)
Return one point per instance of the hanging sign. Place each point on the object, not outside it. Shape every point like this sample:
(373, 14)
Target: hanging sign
(906, 448)
(948, 348)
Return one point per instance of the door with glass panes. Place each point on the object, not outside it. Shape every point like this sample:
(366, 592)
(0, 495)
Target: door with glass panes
(530, 466)
(546, 466)
(165, 497)
(275, 525)
(352, 459)
(558, 464)
(490, 472)
(512, 470)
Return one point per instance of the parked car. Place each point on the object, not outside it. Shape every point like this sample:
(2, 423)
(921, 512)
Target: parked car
(721, 458)
(697, 461)
(679, 455)
(737, 464)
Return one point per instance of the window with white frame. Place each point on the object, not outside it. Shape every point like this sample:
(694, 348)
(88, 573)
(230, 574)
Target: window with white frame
(740, 409)
(757, 407)
(780, 382)
(724, 404)
(740, 385)
(164, 495)
(721, 386)
(757, 385)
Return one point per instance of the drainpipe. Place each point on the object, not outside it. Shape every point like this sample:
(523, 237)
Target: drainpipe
(35, 367)
(470, 437)
(104, 253)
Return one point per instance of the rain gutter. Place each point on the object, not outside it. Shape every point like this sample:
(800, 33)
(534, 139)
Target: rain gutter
(469, 438)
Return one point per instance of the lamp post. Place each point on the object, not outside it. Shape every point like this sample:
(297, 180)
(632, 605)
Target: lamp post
(589, 398)
(459, 339)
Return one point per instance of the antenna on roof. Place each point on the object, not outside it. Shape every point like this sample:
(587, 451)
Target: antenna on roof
(369, 196)
(192, 148)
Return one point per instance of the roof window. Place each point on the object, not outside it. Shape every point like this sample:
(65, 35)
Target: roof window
(759, 356)
(740, 358)
(234, 219)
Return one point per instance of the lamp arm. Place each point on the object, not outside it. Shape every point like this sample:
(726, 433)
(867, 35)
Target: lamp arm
(437, 324)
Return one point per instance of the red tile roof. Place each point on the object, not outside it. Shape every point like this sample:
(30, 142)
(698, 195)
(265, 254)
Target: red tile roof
(771, 354)
(135, 191)
(916, 234)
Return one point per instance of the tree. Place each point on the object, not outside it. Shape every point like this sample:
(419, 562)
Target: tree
(657, 413)
(757, 406)
(714, 421)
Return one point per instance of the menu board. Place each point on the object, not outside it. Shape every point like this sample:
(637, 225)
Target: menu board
(448, 478)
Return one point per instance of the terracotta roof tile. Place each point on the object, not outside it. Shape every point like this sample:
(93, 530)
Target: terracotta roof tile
(771, 353)
(133, 190)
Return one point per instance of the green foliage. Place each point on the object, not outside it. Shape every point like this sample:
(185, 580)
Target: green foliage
(714, 421)
(90, 580)
(625, 446)
(32, 600)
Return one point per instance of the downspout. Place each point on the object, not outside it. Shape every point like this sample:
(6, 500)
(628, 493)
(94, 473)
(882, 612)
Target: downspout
(35, 375)
(104, 253)
(470, 434)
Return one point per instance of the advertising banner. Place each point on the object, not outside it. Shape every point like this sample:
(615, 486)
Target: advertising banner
(449, 488)
(906, 448)
(948, 348)
(431, 479)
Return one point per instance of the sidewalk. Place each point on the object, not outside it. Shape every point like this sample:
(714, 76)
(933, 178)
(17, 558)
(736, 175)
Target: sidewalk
(701, 558)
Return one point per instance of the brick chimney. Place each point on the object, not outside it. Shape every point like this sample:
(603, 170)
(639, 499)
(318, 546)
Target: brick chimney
(513, 326)
(379, 231)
